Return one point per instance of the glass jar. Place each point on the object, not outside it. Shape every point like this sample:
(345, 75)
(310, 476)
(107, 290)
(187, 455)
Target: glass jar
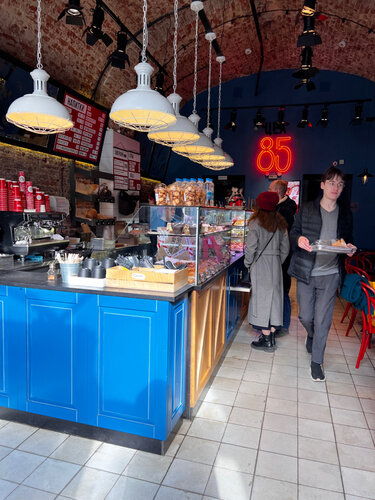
(161, 194)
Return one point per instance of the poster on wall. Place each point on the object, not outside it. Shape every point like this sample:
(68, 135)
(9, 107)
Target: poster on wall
(126, 164)
(84, 140)
(293, 191)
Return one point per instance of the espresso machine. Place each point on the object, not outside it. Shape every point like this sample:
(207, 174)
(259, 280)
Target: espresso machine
(23, 234)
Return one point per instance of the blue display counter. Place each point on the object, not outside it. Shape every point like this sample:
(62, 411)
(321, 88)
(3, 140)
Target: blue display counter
(108, 361)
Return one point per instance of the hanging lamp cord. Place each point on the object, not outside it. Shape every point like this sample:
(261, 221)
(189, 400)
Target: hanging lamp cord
(175, 46)
(195, 65)
(39, 64)
(219, 100)
(209, 84)
(145, 32)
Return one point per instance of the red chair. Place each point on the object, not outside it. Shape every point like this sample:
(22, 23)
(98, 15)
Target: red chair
(368, 322)
(350, 269)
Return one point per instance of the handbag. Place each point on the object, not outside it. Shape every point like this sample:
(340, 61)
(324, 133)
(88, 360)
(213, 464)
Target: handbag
(246, 278)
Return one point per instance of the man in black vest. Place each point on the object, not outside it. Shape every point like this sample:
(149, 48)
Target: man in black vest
(319, 274)
(287, 208)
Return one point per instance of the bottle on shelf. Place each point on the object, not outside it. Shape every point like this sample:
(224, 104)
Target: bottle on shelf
(209, 188)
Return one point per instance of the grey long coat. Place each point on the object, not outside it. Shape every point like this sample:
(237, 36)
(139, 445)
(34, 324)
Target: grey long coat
(266, 302)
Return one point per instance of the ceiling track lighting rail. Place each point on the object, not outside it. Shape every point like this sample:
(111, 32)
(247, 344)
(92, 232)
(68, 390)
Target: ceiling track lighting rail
(295, 105)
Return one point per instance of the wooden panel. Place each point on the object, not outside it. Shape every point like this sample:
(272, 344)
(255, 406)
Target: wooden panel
(207, 334)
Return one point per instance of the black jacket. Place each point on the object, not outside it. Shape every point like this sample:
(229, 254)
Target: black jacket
(308, 223)
(287, 209)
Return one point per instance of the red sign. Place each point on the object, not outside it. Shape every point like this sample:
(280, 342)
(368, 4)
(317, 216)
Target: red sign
(274, 155)
(83, 141)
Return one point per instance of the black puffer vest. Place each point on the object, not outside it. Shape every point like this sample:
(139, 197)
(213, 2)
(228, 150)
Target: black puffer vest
(308, 222)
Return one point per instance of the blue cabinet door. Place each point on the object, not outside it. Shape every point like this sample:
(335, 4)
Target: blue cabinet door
(61, 331)
(141, 360)
(12, 347)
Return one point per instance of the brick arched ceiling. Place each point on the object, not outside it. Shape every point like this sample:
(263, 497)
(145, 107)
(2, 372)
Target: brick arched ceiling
(68, 58)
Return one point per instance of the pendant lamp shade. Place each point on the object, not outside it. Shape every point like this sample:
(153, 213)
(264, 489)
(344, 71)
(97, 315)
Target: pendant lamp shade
(202, 145)
(143, 109)
(178, 134)
(38, 112)
(226, 163)
(217, 154)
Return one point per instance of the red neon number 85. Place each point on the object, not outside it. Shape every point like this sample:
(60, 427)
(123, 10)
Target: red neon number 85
(268, 158)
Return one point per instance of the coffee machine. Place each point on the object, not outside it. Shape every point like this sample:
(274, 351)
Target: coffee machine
(23, 233)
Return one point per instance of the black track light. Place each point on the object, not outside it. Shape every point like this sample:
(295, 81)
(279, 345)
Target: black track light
(280, 125)
(119, 57)
(304, 122)
(159, 82)
(73, 12)
(323, 121)
(309, 36)
(307, 71)
(232, 124)
(94, 32)
(364, 176)
(358, 118)
(259, 120)
(308, 8)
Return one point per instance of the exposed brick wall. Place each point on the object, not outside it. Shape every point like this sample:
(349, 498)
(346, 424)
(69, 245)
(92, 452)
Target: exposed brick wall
(49, 173)
(68, 58)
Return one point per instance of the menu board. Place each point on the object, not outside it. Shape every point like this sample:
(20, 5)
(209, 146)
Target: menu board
(126, 164)
(84, 140)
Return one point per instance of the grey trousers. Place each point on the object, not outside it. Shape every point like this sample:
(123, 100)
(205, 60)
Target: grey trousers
(316, 303)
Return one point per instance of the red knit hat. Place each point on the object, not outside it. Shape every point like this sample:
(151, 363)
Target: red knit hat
(268, 201)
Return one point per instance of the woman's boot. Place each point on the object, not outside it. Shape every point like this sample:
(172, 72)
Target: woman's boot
(273, 338)
(263, 343)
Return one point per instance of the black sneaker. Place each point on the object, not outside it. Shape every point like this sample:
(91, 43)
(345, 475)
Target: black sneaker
(317, 373)
(281, 333)
(309, 342)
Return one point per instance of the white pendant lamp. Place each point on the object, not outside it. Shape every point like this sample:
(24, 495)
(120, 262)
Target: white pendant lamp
(38, 112)
(183, 131)
(227, 161)
(143, 109)
(203, 144)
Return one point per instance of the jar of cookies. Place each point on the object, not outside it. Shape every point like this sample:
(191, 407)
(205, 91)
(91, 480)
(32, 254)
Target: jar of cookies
(201, 192)
(190, 191)
(175, 193)
(161, 194)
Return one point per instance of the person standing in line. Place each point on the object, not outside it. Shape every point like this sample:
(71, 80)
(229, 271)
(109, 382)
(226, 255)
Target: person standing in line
(287, 208)
(319, 274)
(266, 248)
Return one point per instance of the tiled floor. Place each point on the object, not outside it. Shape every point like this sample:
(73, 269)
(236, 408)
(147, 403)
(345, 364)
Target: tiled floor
(265, 431)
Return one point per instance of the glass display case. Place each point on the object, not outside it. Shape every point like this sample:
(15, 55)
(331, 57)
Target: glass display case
(240, 223)
(196, 237)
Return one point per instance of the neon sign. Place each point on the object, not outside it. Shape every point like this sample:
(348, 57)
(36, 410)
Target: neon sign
(268, 158)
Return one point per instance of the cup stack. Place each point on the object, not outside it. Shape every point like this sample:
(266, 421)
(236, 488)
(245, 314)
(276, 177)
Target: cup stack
(38, 200)
(3, 195)
(22, 184)
(10, 195)
(17, 201)
(29, 195)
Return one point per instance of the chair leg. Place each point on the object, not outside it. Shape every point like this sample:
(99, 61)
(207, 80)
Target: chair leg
(351, 322)
(346, 311)
(364, 342)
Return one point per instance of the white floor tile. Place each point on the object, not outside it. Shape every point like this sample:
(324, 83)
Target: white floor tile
(76, 449)
(6, 487)
(207, 429)
(242, 416)
(198, 450)
(272, 489)
(229, 484)
(166, 493)
(148, 466)
(43, 442)
(241, 435)
(90, 484)
(358, 482)
(308, 493)
(128, 487)
(276, 466)
(356, 457)
(221, 397)
(186, 475)
(111, 458)
(18, 465)
(236, 458)
(280, 423)
(13, 434)
(24, 492)
(327, 476)
(214, 411)
(52, 475)
(354, 436)
(316, 449)
(250, 401)
(278, 406)
(278, 442)
(315, 429)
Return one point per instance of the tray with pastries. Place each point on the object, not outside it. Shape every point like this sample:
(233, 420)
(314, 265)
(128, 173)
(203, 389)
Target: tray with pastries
(331, 246)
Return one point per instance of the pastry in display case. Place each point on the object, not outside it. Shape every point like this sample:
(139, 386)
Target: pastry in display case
(196, 238)
(240, 224)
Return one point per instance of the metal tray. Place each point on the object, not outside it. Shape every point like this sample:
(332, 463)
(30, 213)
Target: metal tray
(325, 246)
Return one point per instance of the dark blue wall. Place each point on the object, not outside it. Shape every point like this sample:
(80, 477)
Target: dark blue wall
(314, 148)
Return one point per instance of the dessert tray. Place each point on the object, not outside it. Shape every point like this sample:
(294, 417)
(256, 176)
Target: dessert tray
(326, 246)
